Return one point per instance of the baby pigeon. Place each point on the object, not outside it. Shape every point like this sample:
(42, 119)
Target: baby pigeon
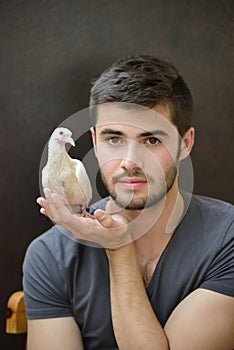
(64, 175)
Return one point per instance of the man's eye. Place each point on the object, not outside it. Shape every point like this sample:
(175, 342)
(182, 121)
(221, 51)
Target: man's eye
(114, 141)
(152, 141)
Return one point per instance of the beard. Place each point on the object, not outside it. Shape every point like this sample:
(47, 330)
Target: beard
(131, 199)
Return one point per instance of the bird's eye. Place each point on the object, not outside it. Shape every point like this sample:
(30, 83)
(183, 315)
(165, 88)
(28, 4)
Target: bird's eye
(61, 132)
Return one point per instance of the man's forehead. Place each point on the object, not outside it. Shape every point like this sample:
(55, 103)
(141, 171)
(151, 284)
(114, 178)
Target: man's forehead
(116, 114)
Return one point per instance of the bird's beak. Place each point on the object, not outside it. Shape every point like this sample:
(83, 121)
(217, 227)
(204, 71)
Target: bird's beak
(69, 140)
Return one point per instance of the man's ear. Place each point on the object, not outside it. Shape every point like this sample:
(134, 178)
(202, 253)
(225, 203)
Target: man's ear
(187, 143)
(93, 134)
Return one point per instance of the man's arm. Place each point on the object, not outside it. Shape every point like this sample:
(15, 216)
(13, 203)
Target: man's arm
(134, 321)
(204, 320)
(54, 334)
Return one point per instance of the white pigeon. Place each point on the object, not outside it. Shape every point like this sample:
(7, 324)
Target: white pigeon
(64, 175)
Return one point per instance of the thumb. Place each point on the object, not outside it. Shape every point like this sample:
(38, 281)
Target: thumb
(104, 218)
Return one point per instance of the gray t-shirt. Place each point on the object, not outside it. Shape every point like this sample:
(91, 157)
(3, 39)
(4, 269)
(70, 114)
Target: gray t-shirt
(65, 278)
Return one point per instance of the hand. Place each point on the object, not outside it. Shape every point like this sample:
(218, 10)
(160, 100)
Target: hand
(110, 231)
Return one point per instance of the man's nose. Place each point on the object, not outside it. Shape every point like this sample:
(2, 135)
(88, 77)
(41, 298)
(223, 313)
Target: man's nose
(133, 157)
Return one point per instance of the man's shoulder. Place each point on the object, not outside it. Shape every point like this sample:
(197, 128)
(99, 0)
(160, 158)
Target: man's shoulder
(55, 243)
(54, 234)
(212, 206)
(210, 214)
(214, 201)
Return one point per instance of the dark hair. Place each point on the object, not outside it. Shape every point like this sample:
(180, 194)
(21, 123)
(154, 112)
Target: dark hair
(148, 81)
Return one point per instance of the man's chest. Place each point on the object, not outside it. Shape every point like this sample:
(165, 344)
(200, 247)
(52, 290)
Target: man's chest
(148, 262)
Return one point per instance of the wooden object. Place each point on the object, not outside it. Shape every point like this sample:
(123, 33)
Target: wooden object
(16, 321)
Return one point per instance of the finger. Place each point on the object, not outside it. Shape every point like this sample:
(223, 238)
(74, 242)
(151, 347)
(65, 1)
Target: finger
(44, 212)
(40, 201)
(53, 200)
(104, 218)
(57, 202)
(59, 210)
(47, 205)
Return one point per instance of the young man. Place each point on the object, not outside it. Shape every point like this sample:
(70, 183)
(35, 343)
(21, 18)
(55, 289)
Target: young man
(163, 274)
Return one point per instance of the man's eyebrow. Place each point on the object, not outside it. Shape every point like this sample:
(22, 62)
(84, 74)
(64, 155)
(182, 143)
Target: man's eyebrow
(152, 133)
(108, 131)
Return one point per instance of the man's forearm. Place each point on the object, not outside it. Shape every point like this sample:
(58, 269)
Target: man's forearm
(135, 324)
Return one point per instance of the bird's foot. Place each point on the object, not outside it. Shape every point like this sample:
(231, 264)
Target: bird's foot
(86, 214)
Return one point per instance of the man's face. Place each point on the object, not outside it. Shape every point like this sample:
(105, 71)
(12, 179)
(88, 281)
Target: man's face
(137, 151)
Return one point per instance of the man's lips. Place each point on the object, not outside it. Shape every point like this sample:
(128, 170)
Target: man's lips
(132, 182)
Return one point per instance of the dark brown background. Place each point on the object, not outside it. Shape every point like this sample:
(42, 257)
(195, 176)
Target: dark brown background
(49, 52)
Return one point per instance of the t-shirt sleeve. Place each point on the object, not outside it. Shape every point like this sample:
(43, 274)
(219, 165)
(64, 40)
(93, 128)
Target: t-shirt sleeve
(45, 290)
(220, 277)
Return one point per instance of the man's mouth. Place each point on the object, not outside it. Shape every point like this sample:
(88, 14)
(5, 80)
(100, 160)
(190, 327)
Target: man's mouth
(132, 182)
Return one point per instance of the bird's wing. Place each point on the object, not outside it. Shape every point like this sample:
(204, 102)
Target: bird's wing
(44, 177)
(83, 180)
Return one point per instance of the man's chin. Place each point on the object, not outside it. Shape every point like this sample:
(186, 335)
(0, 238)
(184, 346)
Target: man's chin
(132, 206)
(138, 204)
